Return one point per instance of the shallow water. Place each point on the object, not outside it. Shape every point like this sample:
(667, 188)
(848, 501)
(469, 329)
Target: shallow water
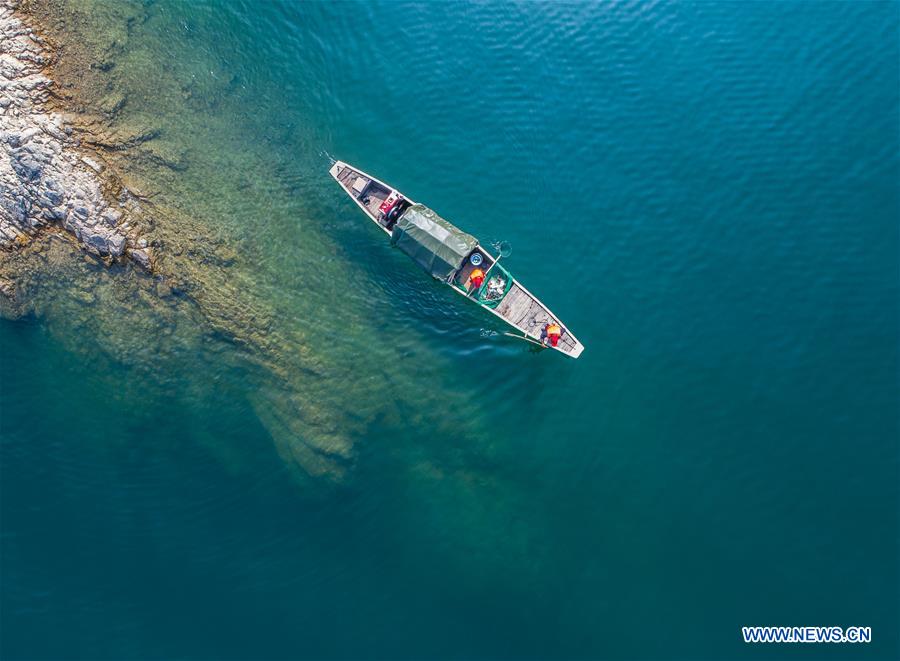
(705, 193)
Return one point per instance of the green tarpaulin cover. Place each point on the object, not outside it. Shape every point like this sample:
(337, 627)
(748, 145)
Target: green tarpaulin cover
(436, 245)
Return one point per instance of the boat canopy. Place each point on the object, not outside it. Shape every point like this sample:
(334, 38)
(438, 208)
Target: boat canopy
(435, 244)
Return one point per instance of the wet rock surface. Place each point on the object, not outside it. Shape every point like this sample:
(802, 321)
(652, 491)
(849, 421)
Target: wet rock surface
(46, 183)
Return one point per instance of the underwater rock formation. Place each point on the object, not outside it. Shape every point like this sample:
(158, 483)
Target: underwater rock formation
(217, 275)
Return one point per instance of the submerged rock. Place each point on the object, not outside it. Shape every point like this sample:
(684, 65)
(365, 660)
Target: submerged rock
(142, 257)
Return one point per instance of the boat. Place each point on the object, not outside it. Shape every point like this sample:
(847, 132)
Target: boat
(451, 255)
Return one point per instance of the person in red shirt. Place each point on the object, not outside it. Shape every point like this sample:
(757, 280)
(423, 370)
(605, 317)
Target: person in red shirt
(553, 331)
(476, 278)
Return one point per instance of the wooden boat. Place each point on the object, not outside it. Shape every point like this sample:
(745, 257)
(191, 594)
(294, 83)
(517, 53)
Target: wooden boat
(450, 255)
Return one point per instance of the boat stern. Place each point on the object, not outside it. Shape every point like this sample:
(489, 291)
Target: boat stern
(575, 351)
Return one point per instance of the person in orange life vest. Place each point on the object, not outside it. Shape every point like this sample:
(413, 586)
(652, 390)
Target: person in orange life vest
(552, 332)
(476, 278)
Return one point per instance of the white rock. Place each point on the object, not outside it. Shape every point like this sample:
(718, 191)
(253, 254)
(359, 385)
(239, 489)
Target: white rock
(92, 164)
(142, 257)
(39, 170)
(115, 244)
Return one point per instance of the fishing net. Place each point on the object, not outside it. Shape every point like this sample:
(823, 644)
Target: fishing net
(495, 286)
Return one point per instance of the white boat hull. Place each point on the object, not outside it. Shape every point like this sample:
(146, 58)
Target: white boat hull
(518, 308)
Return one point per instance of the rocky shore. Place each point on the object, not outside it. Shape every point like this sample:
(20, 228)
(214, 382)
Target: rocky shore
(47, 182)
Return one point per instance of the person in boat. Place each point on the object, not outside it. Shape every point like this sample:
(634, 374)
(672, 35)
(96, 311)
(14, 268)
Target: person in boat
(552, 332)
(391, 209)
(476, 278)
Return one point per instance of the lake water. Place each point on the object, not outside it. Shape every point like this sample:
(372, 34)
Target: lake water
(707, 194)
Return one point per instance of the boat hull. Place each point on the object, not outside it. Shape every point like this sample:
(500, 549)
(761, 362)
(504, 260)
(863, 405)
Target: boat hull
(518, 308)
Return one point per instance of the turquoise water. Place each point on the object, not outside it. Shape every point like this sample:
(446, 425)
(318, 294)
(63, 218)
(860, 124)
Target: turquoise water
(706, 193)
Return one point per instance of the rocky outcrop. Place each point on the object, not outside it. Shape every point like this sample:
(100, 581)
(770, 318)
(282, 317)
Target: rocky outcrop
(45, 181)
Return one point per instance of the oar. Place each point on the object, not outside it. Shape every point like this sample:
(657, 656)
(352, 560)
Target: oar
(527, 339)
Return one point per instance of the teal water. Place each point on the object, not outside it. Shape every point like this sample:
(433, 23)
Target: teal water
(706, 193)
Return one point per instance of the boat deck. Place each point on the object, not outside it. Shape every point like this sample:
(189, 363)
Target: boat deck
(368, 193)
(524, 311)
